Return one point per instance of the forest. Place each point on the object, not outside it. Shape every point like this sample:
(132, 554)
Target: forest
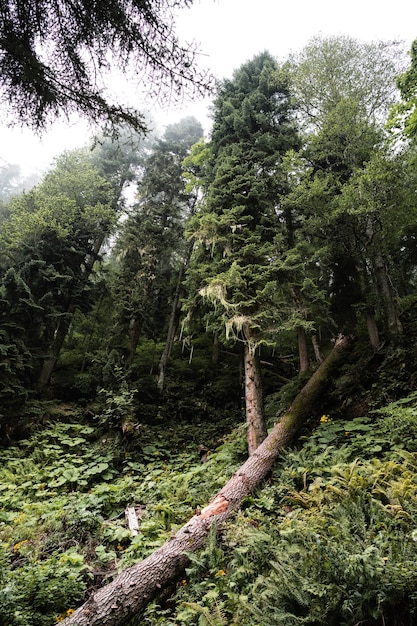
(208, 391)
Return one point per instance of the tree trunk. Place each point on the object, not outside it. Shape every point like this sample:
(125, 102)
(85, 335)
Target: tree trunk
(174, 318)
(133, 334)
(254, 401)
(302, 349)
(383, 281)
(54, 350)
(373, 333)
(133, 588)
(395, 328)
(316, 348)
(172, 327)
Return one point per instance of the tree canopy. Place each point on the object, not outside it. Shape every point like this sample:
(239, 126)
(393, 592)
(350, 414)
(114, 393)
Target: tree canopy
(54, 55)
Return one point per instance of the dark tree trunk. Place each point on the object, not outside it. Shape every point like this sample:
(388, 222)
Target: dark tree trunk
(302, 349)
(54, 350)
(133, 335)
(174, 318)
(131, 591)
(373, 333)
(254, 401)
(395, 328)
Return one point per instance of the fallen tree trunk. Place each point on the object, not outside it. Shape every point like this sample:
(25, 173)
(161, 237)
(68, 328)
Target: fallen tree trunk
(133, 588)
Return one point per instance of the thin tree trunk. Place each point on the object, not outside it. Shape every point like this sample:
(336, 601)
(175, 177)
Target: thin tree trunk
(172, 327)
(174, 318)
(395, 327)
(254, 401)
(316, 348)
(133, 334)
(133, 588)
(383, 281)
(302, 349)
(373, 333)
(54, 350)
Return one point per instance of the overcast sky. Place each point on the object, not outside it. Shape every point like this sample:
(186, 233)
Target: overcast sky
(230, 32)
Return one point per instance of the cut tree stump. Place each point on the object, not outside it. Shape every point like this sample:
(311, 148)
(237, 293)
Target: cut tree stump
(135, 587)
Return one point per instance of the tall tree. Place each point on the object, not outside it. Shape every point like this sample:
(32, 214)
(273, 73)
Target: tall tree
(344, 90)
(235, 230)
(55, 57)
(150, 246)
(329, 70)
(51, 242)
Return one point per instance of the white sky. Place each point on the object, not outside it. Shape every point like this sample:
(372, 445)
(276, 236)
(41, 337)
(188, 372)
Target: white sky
(231, 32)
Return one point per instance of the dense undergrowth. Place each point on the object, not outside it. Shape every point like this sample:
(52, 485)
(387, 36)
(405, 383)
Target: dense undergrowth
(330, 538)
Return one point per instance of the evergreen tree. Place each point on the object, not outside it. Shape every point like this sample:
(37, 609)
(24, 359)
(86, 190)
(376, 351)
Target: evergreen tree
(51, 242)
(237, 228)
(150, 247)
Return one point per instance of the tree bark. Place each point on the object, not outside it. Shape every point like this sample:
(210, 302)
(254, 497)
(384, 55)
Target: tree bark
(133, 588)
(316, 348)
(372, 328)
(395, 328)
(302, 350)
(172, 327)
(255, 419)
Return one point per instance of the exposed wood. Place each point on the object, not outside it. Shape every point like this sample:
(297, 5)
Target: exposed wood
(254, 401)
(133, 588)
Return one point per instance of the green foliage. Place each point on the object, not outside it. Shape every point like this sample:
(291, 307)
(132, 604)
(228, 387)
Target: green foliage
(150, 248)
(404, 114)
(284, 240)
(63, 494)
(47, 73)
(330, 539)
(234, 265)
(36, 592)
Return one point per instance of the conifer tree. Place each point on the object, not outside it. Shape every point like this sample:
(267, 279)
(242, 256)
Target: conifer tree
(51, 241)
(151, 246)
(55, 57)
(236, 229)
